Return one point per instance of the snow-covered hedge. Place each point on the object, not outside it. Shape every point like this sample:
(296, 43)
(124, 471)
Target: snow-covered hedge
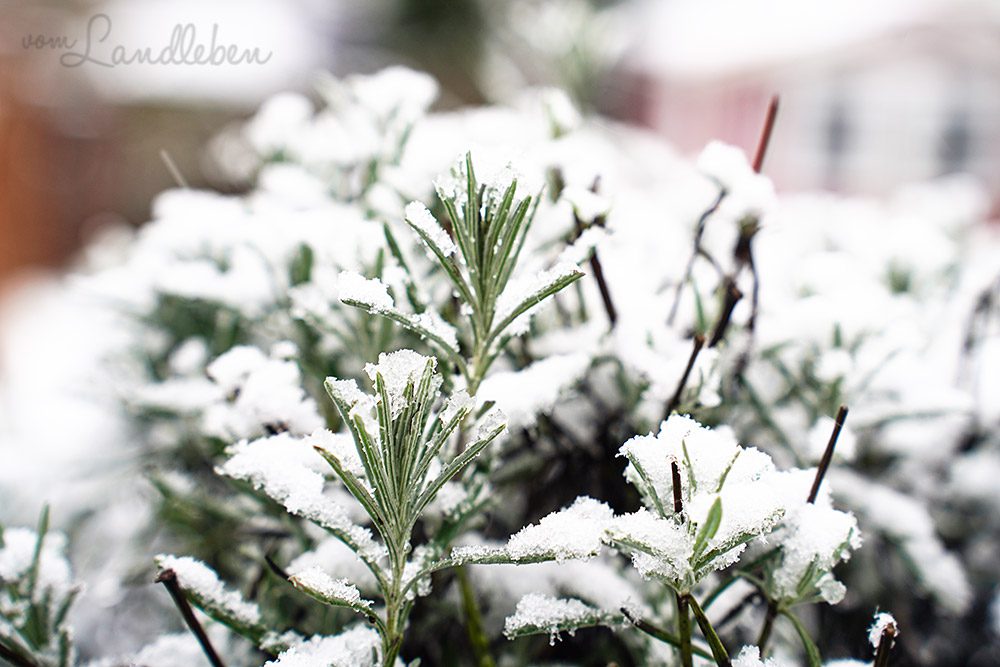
(483, 374)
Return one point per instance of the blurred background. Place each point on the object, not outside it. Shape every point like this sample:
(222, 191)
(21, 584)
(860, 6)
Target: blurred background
(872, 94)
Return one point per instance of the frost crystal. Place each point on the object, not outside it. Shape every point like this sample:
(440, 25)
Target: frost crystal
(883, 621)
(196, 577)
(369, 292)
(424, 222)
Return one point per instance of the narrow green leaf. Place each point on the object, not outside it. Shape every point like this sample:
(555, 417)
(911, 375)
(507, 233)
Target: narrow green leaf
(708, 529)
(812, 652)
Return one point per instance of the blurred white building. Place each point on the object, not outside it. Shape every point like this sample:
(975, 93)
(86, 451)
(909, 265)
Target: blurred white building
(873, 94)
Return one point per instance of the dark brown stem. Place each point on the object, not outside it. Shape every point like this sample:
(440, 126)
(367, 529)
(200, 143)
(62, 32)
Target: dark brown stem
(675, 400)
(765, 134)
(732, 297)
(169, 579)
(675, 478)
(595, 264)
(885, 645)
(275, 568)
(15, 658)
(824, 462)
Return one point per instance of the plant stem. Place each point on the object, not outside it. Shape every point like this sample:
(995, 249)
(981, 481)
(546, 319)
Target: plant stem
(765, 631)
(824, 462)
(684, 630)
(473, 620)
(675, 400)
(169, 579)
(885, 647)
(765, 134)
(730, 299)
(657, 632)
(718, 648)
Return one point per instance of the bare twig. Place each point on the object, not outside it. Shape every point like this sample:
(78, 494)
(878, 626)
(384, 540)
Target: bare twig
(698, 250)
(169, 579)
(675, 400)
(731, 298)
(824, 462)
(675, 478)
(595, 264)
(765, 134)
(885, 645)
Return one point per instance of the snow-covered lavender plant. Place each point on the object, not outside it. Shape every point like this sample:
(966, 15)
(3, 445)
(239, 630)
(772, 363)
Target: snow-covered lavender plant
(489, 222)
(36, 593)
(398, 467)
(706, 500)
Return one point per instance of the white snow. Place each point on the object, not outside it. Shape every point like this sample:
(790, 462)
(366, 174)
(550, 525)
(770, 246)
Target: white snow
(548, 614)
(883, 622)
(337, 591)
(422, 219)
(371, 292)
(196, 577)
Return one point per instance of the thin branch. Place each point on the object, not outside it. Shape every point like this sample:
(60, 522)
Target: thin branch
(169, 579)
(275, 568)
(474, 620)
(699, 232)
(659, 633)
(885, 645)
(595, 264)
(675, 478)
(765, 134)
(172, 168)
(675, 400)
(824, 463)
(732, 297)
(765, 631)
